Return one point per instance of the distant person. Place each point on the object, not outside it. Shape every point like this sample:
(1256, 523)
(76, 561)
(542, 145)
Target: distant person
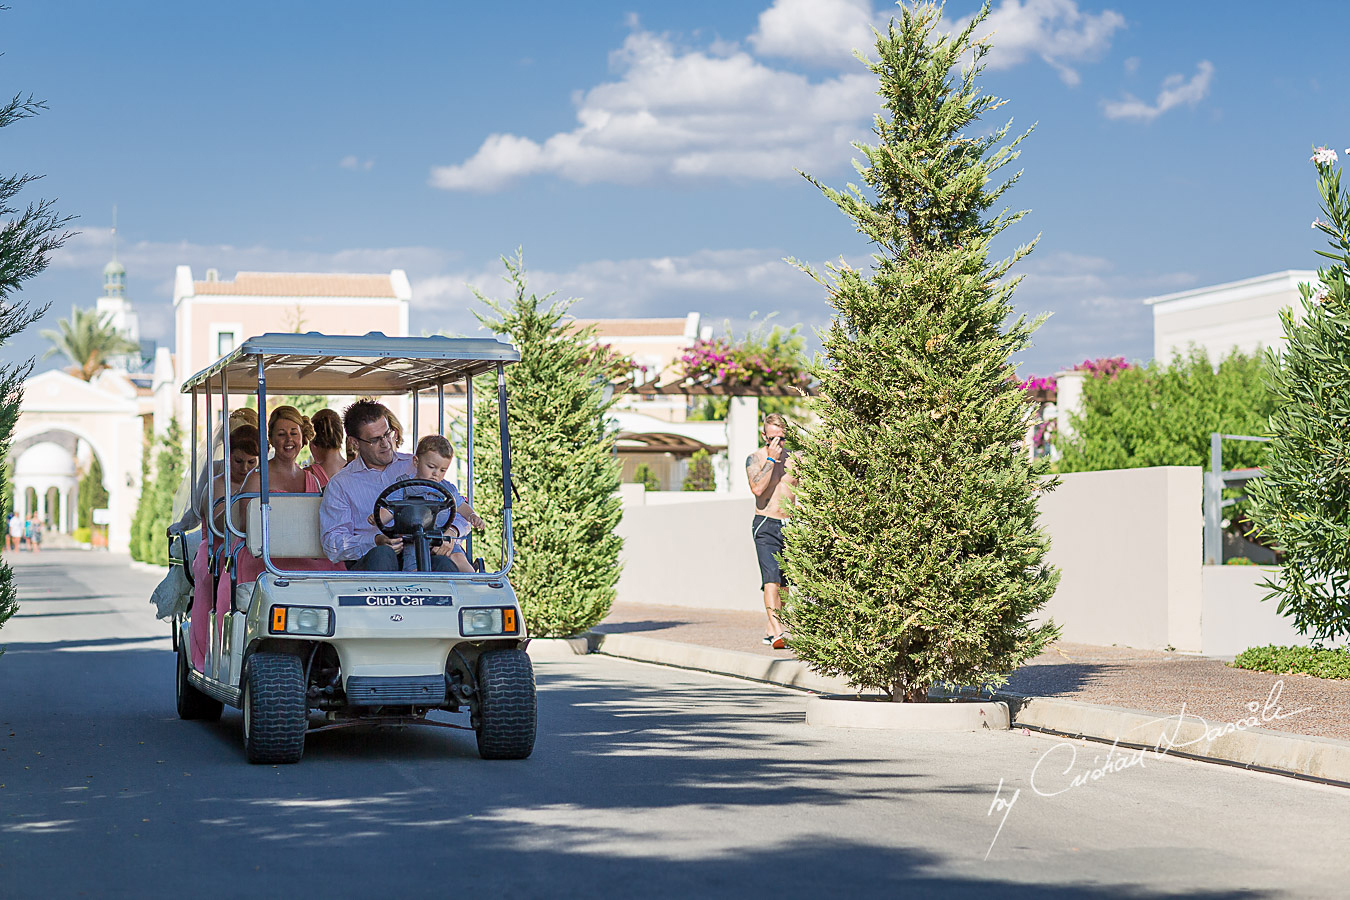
(770, 473)
(14, 535)
(325, 449)
(348, 534)
(432, 460)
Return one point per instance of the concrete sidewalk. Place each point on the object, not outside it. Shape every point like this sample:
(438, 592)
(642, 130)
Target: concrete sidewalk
(1288, 723)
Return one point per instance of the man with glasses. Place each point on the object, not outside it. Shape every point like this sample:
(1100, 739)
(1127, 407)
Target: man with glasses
(348, 536)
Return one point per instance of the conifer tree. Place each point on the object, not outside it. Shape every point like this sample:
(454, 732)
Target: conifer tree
(913, 551)
(1301, 504)
(562, 463)
(154, 510)
(28, 237)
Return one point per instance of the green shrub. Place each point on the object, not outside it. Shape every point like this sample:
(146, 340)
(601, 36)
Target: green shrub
(644, 476)
(1296, 661)
(81, 535)
(700, 476)
(1300, 505)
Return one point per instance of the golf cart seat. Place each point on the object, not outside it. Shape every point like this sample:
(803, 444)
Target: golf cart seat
(294, 533)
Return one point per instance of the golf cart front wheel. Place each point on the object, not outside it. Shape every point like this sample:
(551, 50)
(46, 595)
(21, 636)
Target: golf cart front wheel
(507, 709)
(276, 712)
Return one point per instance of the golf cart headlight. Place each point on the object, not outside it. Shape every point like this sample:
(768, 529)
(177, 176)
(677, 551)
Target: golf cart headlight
(480, 621)
(302, 620)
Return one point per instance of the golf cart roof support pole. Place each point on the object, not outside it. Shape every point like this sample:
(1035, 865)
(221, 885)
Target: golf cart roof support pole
(417, 397)
(468, 454)
(440, 407)
(262, 460)
(225, 418)
(209, 526)
(508, 539)
(192, 467)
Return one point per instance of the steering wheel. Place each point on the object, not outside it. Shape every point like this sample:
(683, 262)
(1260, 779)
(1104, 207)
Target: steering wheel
(413, 516)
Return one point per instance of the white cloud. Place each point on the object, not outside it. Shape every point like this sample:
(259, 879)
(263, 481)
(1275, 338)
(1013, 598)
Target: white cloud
(1132, 65)
(1056, 31)
(683, 114)
(1176, 90)
(816, 31)
(351, 162)
(1097, 310)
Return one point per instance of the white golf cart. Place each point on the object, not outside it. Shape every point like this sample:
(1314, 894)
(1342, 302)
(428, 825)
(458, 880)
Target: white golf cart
(361, 648)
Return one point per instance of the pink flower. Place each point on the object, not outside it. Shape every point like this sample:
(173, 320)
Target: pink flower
(1324, 156)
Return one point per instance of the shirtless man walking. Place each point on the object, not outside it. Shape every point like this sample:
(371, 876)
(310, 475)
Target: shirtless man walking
(769, 470)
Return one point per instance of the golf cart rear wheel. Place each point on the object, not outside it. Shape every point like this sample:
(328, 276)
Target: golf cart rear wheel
(506, 704)
(192, 703)
(276, 712)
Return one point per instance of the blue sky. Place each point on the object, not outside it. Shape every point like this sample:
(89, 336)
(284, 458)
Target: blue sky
(643, 153)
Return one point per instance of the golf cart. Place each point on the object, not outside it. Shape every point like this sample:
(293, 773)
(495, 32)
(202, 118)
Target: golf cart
(360, 648)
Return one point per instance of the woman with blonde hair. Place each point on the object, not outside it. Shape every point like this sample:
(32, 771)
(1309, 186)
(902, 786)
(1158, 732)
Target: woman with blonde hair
(288, 433)
(325, 448)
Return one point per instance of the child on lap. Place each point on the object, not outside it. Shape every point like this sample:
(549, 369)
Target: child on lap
(432, 460)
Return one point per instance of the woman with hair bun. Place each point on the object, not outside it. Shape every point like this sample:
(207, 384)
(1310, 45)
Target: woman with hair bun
(288, 433)
(325, 448)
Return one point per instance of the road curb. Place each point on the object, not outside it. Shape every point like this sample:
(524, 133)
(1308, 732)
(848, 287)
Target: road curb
(751, 666)
(1242, 743)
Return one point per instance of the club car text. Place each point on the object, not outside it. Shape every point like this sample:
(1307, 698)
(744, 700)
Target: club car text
(395, 599)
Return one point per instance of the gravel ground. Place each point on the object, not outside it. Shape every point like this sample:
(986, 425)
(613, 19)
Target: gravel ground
(1154, 681)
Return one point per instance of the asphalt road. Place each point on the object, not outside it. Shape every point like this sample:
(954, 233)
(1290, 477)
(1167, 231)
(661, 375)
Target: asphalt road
(645, 782)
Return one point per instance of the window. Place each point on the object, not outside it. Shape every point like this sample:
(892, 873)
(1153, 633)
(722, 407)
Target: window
(224, 342)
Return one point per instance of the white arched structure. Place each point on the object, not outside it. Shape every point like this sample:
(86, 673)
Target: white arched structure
(48, 470)
(103, 414)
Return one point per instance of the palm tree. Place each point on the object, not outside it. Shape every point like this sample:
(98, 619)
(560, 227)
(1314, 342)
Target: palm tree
(88, 340)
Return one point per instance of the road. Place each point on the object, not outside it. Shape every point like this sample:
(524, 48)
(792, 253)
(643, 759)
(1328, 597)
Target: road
(645, 782)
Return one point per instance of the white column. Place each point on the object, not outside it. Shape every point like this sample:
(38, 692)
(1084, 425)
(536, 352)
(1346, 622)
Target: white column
(1069, 402)
(742, 440)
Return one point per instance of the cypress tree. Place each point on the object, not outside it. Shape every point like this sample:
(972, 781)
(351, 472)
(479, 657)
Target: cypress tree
(913, 550)
(1301, 504)
(562, 463)
(28, 237)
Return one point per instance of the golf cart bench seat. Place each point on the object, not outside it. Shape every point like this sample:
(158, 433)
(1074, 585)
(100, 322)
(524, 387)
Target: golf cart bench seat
(294, 526)
(293, 529)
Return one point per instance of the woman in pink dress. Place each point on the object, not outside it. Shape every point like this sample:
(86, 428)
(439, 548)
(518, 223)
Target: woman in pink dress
(325, 448)
(243, 460)
(288, 432)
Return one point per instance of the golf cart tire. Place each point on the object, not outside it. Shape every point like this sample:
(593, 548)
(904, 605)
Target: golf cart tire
(276, 711)
(192, 703)
(507, 711)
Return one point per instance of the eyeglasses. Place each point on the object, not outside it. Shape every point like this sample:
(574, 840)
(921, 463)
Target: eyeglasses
(386, 438)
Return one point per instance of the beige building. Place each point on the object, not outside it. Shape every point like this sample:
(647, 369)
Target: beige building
(1243, 314)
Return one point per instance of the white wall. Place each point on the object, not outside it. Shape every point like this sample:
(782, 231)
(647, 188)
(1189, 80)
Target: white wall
(1128, 546)
(1235, 615)
(690, 554)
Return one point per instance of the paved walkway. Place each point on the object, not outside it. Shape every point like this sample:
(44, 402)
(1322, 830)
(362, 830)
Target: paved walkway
(1153, 681)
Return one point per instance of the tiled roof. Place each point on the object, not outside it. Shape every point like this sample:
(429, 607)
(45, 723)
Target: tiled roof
(615, 328)
(299, 284)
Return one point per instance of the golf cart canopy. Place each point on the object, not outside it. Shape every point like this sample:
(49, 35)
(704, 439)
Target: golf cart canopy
(366, 364)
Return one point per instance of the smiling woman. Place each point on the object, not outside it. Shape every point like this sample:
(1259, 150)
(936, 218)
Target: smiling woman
(288, 433)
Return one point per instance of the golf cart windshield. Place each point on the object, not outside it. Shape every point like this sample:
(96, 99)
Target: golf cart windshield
(336, 365)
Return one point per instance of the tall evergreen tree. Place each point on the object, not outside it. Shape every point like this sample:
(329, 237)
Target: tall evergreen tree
(1302, 502)
(913, 551)
(93, 495)
(562, 463)
(154, 509)
(28, 237)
